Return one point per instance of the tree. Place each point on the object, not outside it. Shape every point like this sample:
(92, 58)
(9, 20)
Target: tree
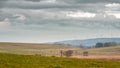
(85, 53)
(82, 46)
(99, 44)
(107, 44)
(68, 53)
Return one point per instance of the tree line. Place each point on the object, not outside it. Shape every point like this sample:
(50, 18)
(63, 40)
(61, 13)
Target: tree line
(106, 44)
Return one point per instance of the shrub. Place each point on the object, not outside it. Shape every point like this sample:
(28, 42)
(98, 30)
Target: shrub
(68, 53)
(85, 53)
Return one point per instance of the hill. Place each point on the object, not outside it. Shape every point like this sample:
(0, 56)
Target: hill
(88, 42)
(32, 49)
(54, 50)
(24, 61)
(105, 49)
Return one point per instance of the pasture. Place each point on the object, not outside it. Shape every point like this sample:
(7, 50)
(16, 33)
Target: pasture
(54, 50)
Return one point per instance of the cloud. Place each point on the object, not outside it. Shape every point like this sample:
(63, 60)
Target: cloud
(91, 1)
(5, 24)
(33, 0)
(3, 3)
(19, 17)
(63, 17)
(79, 1)
(112, 5)
(48, 1)
(48, 4)
(115, 14)
(80, 14)
(50, 19)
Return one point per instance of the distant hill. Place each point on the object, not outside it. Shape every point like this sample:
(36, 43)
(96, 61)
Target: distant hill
(88, 42)
(106, 49)
(33, 48)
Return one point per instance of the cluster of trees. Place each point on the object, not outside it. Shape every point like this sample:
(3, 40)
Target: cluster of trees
(106, 44)
(66, 53)
(70, 53)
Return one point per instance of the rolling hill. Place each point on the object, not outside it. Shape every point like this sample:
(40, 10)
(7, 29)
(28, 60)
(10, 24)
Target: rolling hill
(88, 42)
(32, 48)
(105, 49)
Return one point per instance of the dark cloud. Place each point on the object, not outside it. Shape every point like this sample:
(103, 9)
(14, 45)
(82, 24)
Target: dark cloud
(91, 1)
(54, 6)
(3, 0)
(84, 5)
(50, 12)
(72, 4)
(3, 3)
(33, 0)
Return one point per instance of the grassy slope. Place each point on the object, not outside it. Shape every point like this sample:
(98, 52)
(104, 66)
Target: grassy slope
(52, 50)
(31, 49)
(106, 49)
(22, 61)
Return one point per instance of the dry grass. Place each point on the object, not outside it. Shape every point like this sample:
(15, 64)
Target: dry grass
(32, 49)
(106, 49)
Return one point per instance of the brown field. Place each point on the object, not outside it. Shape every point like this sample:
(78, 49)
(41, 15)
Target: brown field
(54, 50)
(33, 49)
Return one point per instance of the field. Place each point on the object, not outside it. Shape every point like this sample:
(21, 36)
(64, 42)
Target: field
(106, 49)
(28, 55)
(54, 50)
(29, 61)
(32, 49)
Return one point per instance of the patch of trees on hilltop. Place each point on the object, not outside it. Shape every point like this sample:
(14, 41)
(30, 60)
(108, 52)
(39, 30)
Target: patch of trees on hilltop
(100, 44)
(106, 44)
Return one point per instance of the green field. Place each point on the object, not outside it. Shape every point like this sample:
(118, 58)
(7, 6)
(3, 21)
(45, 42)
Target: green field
(27, 61)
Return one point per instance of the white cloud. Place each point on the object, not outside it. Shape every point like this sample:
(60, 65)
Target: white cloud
(112, 5)
(114, 13)
(117, 15)
(5, 24)
(81, 14)
(48, 1)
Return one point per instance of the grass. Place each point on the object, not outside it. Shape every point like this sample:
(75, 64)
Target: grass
(27, 61)
(32, 49)
(106, 49)
(54, 50)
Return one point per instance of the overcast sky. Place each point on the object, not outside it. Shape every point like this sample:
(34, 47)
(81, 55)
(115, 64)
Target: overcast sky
(57, 20)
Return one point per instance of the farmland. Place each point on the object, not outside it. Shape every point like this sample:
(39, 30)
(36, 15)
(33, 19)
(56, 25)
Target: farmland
(29, 55)
(54, 50)
(29, 61)
(32, 49)
(106, 49)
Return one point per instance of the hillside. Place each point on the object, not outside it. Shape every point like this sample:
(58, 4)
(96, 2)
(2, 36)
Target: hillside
(33, 46)
(32, 49)
(88, 42)
(54, 50)
(106, 49)
(23, 61)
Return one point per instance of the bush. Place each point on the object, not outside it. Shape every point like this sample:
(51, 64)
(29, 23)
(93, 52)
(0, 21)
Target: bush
(85, 53)
(68, 53)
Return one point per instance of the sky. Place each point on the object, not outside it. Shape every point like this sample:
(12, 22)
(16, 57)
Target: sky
(41, 21)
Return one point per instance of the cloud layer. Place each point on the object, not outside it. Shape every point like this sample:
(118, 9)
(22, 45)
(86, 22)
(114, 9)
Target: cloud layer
(70, 19)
